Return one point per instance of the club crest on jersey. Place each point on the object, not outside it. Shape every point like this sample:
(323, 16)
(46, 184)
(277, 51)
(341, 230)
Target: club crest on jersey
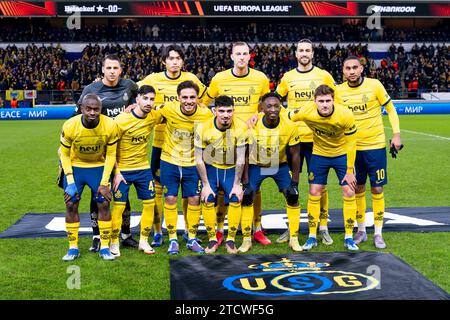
(311, 176)
(288, 277)
(118, 194)
(251, 90)
(125, 97)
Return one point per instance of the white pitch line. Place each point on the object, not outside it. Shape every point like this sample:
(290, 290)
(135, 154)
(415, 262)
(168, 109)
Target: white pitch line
(422, 133)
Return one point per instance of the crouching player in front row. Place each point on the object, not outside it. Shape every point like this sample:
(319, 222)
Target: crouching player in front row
(133, 167)
(271, 137)
(220, 145)
(334, 146)
(87, 154)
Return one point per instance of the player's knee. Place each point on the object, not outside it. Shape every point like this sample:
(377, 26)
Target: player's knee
(194, 201)
(360, 188)
(348, 192)
(72, 208)
(171, 200)
(376, 190)
(102, 206)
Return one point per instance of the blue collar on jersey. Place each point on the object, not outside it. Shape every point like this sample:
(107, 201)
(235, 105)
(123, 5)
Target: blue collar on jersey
(167, 76)
(334, 108)
(134, 114)
(299, 71)
(217, 127)
(362, 80)
(240, 76)
(267, 125)
(82, 122)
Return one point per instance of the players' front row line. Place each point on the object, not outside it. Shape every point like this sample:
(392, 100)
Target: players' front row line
(204, 152)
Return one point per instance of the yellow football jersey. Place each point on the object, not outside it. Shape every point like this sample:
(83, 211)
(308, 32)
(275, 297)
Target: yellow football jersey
(88, 146)
(299, 86)
(134, 134)
(366, 102)
(268, 145)
(178, 148)
(328, 132)
(166, 91)
(245, 90)
(219, 147)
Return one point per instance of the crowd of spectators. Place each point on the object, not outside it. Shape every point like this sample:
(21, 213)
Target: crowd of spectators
(47, 67)
(213, 30)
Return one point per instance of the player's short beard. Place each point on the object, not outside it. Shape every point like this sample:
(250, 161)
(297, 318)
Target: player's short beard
(356, 82)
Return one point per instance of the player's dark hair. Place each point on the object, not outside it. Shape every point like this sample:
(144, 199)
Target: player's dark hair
(323, 90)
(172, 47)
(91, 96)
(188, 85)
(113, 57)
(146, 89)
(306, 41)
(271, 95)
(351, 57)
(224, 101)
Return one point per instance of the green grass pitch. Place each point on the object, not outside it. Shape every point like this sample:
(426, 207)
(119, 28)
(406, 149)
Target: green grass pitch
(33, 269)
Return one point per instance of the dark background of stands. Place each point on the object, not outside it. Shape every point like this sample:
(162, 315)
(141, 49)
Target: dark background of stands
(60, 77)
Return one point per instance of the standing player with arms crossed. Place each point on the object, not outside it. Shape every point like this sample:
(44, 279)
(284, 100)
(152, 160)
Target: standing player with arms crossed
(245, 86)
(165, 84)
(133, 167)
(220, 145)
(299, 85)
(115, 93)
(334, 139)
(87, 155)
(365, 97)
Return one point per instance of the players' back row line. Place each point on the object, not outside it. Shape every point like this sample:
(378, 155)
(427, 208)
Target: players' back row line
(175, 160)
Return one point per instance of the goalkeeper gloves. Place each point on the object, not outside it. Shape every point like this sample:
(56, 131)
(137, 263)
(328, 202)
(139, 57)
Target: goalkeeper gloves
(393, 151)
(71, 190)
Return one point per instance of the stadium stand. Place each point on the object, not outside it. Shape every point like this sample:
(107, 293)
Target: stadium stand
(59, 75)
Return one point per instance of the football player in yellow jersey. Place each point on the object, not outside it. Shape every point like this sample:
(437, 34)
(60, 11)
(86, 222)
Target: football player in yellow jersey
(220, 145)
(87, 155)
(133, 167)
(245, 86)
(366, 97)
(334, 138)
(178, 162)
(299, 85)
(165, 84)
(272, 138)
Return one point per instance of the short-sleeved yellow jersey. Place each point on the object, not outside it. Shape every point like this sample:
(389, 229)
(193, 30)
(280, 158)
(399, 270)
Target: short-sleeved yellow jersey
(366, 101)
(268, 145)
(219, 147)
(244, 90)
(328, 132)
(166, 91)
(299, 86)
(178, 148)
(88, 145)
(134, 135)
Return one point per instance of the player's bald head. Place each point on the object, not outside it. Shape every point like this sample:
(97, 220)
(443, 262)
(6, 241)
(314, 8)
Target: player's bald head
(91, 99)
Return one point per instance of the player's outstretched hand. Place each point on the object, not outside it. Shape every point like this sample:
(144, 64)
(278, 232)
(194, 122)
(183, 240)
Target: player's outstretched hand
(292, 193)
(130, 107)
(118, 178)
(105, 193)
(206, 192)
(251, 123)
(237, 191)
(351, 180)
(70, 192)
